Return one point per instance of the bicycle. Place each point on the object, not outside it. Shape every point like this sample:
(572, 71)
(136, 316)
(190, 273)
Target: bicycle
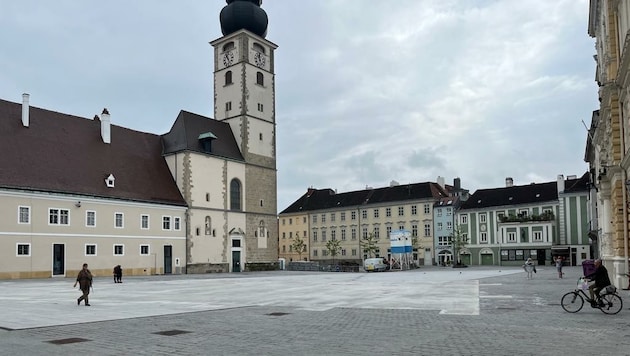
(609, 302)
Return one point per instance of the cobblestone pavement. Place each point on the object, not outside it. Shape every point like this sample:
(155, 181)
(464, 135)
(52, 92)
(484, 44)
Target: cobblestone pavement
(516, 317)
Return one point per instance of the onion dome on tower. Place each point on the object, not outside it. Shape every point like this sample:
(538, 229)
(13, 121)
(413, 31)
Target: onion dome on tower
(244, 15)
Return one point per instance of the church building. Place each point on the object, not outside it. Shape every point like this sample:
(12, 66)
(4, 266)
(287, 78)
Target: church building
(200, 198)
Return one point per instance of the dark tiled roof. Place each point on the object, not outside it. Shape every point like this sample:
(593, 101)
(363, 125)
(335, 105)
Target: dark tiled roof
(185, 132)
(523, 194)
(317, 199)
(66, 154)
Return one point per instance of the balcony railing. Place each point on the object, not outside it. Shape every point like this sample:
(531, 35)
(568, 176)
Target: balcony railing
(546, 216)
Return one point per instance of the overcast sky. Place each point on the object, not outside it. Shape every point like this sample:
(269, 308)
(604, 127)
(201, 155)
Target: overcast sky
(367, 91)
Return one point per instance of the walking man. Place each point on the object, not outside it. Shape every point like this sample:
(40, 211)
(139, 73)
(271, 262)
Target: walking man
(84, 278)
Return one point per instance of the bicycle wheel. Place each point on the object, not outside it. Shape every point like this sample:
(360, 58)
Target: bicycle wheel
(572, 302)
(612, 303)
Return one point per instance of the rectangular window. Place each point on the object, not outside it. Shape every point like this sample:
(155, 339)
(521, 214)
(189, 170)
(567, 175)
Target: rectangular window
(401, 210)
(314, 253)
(58, 216)
(354, 233)
(90, 250)
(449, 225)
(414, 230)
(353, 215)
(439, 226)
(427, 229)
(176, 223)
(538, 236)
(523, 212)
(118, 220)
(90, 218)
(228, 106)
(449, 211)
(377, 233)
(119, 250)
(333, 235)
(144, 222)
(500, 215)
(464, 219)
(388, 212)
(388, 230)
(354, 252)
(323, 218)
(376, 213)
(343, 216)
(23, 249)
(343, 234)
(483, 238)
(482, 218)
(364, 214)
(323, 235)
(439, 212)
(365, 232)
(414, 210)
(24, 215)
(427, 208)
(260, 107)
(511, 237)
(443, 241)
(324, 252)
(144, 250)
(166, 222)
(284, 235)
(314, 236)
(314, 219)
(332, 217)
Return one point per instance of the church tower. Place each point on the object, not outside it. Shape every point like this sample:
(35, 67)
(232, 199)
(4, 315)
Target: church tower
(244, 97)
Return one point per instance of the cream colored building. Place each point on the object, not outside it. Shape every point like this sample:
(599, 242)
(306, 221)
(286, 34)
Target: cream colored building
(352, 217)
(292, 227)
(608, 143)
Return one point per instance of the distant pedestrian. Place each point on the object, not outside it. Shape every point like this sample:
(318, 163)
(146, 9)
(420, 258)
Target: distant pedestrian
(530, 268)
(84, 278)
(558, 260)
(118, 274)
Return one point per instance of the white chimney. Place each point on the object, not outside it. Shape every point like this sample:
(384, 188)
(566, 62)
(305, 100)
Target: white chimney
(25, 109)
(509, 182)
(106, 130)
(441, 182)
(560, 183)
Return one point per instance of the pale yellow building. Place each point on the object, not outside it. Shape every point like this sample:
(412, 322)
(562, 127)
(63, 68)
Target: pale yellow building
(292, 227)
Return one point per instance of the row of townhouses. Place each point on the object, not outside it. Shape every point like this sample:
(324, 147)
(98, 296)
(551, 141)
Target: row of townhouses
(200, 198)
(500, 226)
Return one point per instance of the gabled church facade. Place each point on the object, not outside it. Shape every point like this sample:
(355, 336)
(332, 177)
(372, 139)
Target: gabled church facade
(198, 199)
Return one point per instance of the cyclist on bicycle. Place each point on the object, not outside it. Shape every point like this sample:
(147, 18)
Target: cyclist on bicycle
(600, 277)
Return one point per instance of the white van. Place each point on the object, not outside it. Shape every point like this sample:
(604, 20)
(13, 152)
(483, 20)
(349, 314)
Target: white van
(374, 265)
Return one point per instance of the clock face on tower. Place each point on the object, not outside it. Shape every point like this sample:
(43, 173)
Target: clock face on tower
(228, 58)
(259, 59)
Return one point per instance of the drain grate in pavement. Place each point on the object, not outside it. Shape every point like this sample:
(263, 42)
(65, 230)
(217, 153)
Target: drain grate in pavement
(278, 314)
(70, 340)
(172, 332)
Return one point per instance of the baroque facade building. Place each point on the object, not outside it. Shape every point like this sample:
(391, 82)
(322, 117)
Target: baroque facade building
(200, 198)
(608, 141)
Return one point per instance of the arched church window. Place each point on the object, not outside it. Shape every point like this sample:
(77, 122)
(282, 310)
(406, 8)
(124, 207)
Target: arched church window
(228, 77)
(260, 78)
(259, 48)
(235, 194)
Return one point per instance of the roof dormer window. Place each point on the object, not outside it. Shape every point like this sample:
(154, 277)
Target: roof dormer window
(110, 181)
(205, 139)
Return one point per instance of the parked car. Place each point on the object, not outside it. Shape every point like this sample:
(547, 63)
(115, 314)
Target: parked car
(375, 265)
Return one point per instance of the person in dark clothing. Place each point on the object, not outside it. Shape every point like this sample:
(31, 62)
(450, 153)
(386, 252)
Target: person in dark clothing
(118, 274)
(84, 278)
(600, 279)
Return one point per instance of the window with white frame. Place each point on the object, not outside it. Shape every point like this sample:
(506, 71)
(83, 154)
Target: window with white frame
(323, 235)
(342, 216)
(449, 225)
(333, 234)
(90, 249)
(24, 215)
(343, 234)
(414, 230)
(343, 251)
(23, 249)
(315, 253)
(144, 250)
(58, 217)
(414, 210)
(323, 218)
(365, 232)
(144, 222)
(388, 212)
(90, 218)
(166, 222)
(353, 215)
(523, 212)
(465, 237)
(427, 230)
(449, 211)
(353, 233)
(119, 220)
(389, 231)
(511, 237)
(354, 252)
(538, 236)
(439, 212)
(377, 232)
(427, 208)
(401, 227)
(463, 219)
(483, 238)
(177, 223)
(324, 253)
(482, 218)
(333, 217)
(119, 250)
(401, 210)
(364, 214)
(439, 226)
(443, 241)
(314, 219)
(376, 211)
(314, 236)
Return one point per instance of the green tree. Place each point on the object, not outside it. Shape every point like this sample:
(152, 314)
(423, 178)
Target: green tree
(368, 244)
(334, 247)
(458, 241)
(298, 245)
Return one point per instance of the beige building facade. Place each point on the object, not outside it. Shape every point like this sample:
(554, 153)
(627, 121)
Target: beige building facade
(608, 142)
